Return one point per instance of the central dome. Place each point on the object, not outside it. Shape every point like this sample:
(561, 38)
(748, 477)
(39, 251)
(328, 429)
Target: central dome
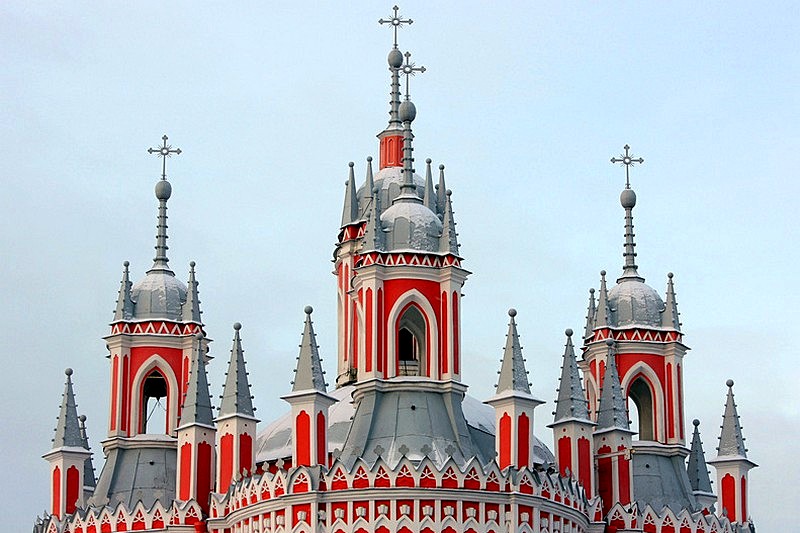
(634, 303)
(411, 226)
(159, 295)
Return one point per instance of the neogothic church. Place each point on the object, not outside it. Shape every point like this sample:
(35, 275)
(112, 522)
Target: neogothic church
(396, 446)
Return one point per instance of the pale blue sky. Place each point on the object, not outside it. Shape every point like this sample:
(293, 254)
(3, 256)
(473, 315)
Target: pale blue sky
(524, 102)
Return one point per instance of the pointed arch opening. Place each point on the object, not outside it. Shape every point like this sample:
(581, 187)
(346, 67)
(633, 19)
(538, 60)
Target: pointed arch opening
(642, 418)
(411, 342)
(154, 403)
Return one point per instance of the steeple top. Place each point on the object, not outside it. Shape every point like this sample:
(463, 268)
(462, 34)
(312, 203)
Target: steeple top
(628, 201)
(396, 22)
(513, 375)
(68, 431)
(628, 161)
(409, 69)
(164, 151)
(308, 374)
(163, 192)
(571, 402)
(731, 441)
(236, 397)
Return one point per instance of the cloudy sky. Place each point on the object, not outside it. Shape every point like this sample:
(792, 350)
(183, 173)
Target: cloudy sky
(523, 102)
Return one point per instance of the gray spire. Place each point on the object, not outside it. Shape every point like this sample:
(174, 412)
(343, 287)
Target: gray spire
(395, 60)
(124, 310)
(369, 184)
(373, 233)
(590, 316)
(309, 374)
(68, 431)
(190, 309)
(571, 402)
(602, 312)
(670, 318)
(88, 468)
(160, 261)
(236, 398)
(697, 469)
(407, 114)
(197, 408)
(430, 194)
(612, 412)
(441, 192)
(731, 441)
(513, 376)
(350, 210)
(449, 240)
(629, 270)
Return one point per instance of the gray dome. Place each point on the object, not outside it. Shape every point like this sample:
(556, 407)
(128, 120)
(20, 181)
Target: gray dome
(634, 303)
(388, 180)
(411, 226)
(159, 295)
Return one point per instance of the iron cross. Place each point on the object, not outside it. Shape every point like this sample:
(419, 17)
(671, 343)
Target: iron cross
(628, 160)
(396, 21)
(408, 69)
(164, 151)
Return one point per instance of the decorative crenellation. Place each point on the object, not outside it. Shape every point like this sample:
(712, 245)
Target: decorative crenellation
(634, 334)
(122, 518)
(155, 327)
(407, 259)
(631, 518)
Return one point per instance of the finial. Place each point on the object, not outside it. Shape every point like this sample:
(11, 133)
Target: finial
(409, 69)
(308, 309)
(695, 422)
(430, 198)
(396, 22)
(237, 326)
(236, 397)
(126, 264)
(68, 372)
(512, 312)
(568, 332)
(571, 401)
(609, 342)
(628, 160)
(729, 383)
(164, 151)
(163, 193)
(198, 335)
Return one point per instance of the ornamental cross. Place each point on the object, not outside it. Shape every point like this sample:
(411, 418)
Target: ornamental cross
(409, 69)
(397, 22)
(628, 160)
(164, 151)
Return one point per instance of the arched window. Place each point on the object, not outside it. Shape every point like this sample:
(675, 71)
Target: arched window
(411, 345)
(642, 397)
(154, 410)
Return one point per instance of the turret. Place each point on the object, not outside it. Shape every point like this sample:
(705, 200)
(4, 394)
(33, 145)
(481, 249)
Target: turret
(236, 421)
(513, 405)
(698, 472)
(310, 402)
(732, 465)
(68, 457)
(572, 427)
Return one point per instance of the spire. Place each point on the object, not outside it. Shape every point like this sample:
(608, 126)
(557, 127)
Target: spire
(430, 194)
(163, 192)
(731, 441)
(369, 184)
(602, 311)
(190, 310)
(449, 240)
(197, 401)
(395, 60)
(697, 469)
(373, 233)
(571, 402)
(628, 201)
(88, 468)
(612, 412)
(590, 316)
(670, 318)
(309, 374)
(124, 310)
(441, 192)
(350, 210)
(236, 398)
(408, 113)
(68, 431)
(513, 376)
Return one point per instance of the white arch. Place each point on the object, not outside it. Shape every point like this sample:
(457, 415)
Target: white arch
(642, 368)
(432, 343)
(173, 391)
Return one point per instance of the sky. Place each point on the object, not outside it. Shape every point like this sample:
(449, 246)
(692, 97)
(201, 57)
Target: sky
(524, 102)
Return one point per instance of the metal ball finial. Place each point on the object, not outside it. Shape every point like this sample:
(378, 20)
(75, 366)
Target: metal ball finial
(68, 371)
(237, 326)
(308, 309)
(82, 418)
(602, 272)
(126, 264)
(163, 190)
(369, 159)
(729, 383)
(351, 164)
(429, 160)
(609, 342)
(198, 335)
(568, 332)
(669, 275)
(192, 264)
(695, 422)
(512, 312)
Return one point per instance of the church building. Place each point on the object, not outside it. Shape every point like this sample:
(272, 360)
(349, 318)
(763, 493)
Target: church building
(394, 444)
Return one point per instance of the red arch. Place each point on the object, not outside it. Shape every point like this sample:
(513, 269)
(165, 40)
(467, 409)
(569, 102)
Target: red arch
(505, 440)
(523, 440)
(303, 443)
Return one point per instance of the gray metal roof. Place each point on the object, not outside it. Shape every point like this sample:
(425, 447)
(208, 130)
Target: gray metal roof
(612, 412)
(513, 376)
(696, 467)
(634, 303)
(601, 319)
(369, 185)
(731, 441)
(660, 480)
(88, 467)
(159, 295)
(571, 402)
(373, 232)
(236, 397)
(671, 318)
(309, 374)
(449, 240)
(68, 431)
(430, 197)
(441, 192)
(124, 310)
(197, 402)
(190, 311)
(350, 209)
(590, 316)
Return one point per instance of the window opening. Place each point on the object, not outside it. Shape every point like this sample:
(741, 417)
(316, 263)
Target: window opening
(154, 393)
(642, 397)
(411, 342)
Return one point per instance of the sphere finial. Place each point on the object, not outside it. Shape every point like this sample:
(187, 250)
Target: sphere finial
(729, 383)
(512, 312)
(568, 332)
(68, 371)
(237, 326)
(609, 342)
(695, 422)
(308, 309)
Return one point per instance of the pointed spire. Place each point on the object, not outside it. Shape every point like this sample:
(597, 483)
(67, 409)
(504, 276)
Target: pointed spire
(160, 261)
(430, 194)
(197, 401)
(602, 313)
(68, 431)
(588, 331)
(236, 398)
(441, 192)
(696, 468)
(731, 441)
(373, 233)
(309, 374)
(190, 309)
(369, 184)
(407, 114)
(571, 402)
(670, 318)
(612, 412)
(350, 210)
(88, 468)
(124, 310)
(449, 239)
(629, 270)
(513, 376)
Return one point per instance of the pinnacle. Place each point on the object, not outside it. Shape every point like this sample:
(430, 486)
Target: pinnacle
(309, 374)
(236, 397)
(513, 376)
(571, 401)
